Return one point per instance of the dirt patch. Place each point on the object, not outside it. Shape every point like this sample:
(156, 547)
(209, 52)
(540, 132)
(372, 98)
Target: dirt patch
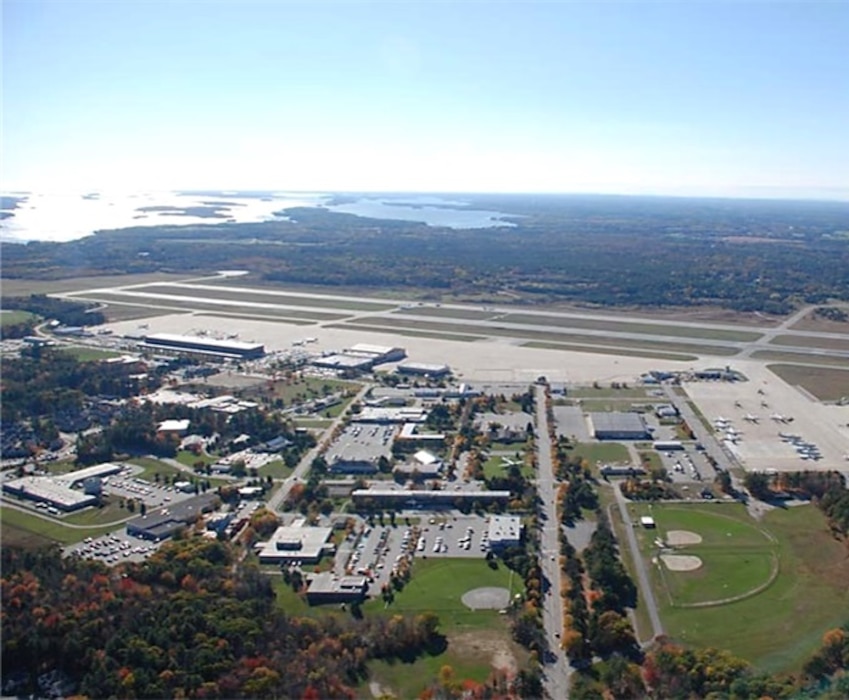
(814, 322)
(486, 644)
(682, 538)
(486, 598)
(681, 562)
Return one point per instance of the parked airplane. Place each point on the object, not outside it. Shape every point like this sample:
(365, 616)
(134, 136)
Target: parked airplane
(721, 421)
(752, 419)
(778, 418)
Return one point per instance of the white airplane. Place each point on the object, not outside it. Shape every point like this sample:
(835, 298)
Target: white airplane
(507, 462)
(778, 418)
(752, 419)
(732, 437)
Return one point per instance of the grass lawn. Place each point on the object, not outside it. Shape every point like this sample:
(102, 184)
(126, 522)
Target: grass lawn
(775, 629)
(651, 460)
(36, 528)
(109, 513)
(276, 469)
(437, 585)
(607, 452)
(189, 458)
(85, 354)
(13, 317)
(606, 392)
(407, 680)
(495, 466)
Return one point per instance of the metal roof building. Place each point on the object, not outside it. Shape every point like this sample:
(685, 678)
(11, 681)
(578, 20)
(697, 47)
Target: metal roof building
(163, 523)
(171, 342)
(614, 425)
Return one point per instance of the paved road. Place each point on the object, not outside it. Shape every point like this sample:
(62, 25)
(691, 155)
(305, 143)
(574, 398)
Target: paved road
(558, 671)
(300, 472)
(639, 564)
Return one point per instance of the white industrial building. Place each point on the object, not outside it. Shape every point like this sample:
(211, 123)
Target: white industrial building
(296, 542)
(62, 491)
(504, 531)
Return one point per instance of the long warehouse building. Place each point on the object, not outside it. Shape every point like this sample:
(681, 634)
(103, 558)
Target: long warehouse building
(170, 342)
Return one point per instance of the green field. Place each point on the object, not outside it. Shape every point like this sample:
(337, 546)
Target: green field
(607, 452)
(26, 528)
(12, 317)
(437, 585)
(782, 612)
(85, 354)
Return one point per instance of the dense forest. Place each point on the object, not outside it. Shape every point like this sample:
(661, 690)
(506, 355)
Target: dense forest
(189, 622)
(746, 255)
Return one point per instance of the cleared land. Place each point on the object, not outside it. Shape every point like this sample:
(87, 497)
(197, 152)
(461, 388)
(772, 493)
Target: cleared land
(364, 326)
(24, 287)
(651, 329)
(257, 296)
(605, 452)
(8, 318)
(26, 527)
(551, 336)
(807, 341)
(776, 627)
(86, 354)
(814, 322)
(801, 358)
(188, 304)
(827, 384)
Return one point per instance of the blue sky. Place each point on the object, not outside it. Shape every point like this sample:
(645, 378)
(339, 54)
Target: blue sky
(677, 97)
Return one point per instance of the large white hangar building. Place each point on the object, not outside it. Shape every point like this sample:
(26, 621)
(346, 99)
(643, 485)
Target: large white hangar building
(212, 347)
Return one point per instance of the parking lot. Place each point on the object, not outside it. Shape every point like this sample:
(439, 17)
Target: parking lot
(381, 548)
(113, 548)
(152, 494)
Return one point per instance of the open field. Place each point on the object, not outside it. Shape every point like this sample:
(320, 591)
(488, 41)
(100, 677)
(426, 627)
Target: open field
(488, 331)
(177, 303)
(808, 341)
(24, 287)
(363, 326)
(737, 558)
(437, 585)
(799, 358)
(9, 318)
(250, 296)
(441, 312)
(16, 536)
(604, 452)
(87, 354)
(34, 527)
(606, 392)
(650, 329)
(827, 384)
(813, 322)
(780, 622)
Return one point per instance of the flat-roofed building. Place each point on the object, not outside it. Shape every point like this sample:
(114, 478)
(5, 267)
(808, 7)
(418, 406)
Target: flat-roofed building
(327, 587)
(422, 369)
(402, 414)
(616, 425)
(345, 362)
(504, 531)
(378, 353)
(63, 491)
(164, 522)
(193, 345)
(54, 493)
(419, 498)
(296, 542)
